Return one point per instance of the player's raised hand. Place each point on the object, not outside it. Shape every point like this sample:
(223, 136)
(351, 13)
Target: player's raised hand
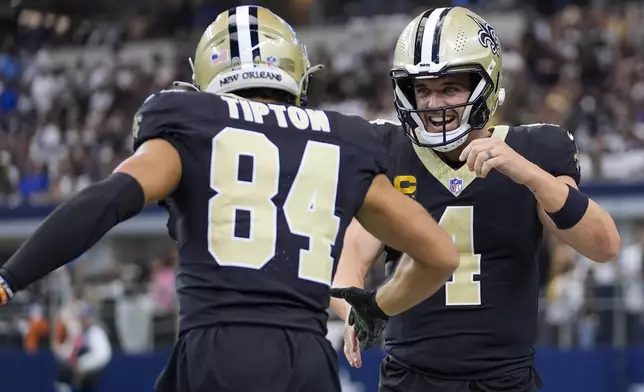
(351, 345)
(366, 317)
(484, 154)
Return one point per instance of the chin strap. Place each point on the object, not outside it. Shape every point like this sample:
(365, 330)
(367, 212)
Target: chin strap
(193, 85)
(178, 83)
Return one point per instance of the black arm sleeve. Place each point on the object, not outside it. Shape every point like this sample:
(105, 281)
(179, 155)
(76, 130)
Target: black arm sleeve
(73, 228)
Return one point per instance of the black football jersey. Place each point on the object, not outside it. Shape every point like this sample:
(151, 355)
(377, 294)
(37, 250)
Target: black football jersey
(265, 197)
(483, 322)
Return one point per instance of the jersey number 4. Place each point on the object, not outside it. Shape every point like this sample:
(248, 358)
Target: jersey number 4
(309, 208)
(458, 222)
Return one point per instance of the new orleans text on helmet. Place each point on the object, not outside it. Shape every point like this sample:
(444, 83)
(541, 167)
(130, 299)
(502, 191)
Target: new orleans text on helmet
(252, 75)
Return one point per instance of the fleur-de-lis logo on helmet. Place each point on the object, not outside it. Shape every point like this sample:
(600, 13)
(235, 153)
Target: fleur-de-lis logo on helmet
(487, 36)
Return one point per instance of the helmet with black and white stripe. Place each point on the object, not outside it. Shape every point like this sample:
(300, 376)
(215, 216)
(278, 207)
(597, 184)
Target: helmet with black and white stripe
(251, 47)
(440, 42)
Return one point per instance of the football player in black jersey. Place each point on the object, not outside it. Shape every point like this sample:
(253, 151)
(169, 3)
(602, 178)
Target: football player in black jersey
(261, 190)
(494, 190)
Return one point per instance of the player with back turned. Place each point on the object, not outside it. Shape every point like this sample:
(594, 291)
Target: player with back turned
(261, 191)
(494, 190)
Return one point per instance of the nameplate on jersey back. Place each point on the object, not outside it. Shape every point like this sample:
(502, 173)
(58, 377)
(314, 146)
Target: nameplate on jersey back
(286, 116)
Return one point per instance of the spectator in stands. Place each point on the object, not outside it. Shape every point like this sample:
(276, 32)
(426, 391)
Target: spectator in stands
(632, 279)
(83, 350)
(565, 290)
(163, 285)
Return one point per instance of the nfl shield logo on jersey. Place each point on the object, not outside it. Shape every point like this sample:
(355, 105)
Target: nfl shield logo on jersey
(455, 186)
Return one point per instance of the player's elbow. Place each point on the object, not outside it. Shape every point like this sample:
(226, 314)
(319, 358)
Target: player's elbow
(605, 238)
(446, 260)
(441, 267)
(451, 260)
(608, 245)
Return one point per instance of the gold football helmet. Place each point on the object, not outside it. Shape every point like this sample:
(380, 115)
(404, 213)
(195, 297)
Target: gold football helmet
(251, 47)
(446, 41)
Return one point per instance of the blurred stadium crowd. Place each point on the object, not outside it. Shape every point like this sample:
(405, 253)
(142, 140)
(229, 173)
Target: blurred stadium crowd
(65, 126)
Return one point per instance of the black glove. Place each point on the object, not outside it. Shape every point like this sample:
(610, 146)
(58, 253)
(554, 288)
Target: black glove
(366, 317)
